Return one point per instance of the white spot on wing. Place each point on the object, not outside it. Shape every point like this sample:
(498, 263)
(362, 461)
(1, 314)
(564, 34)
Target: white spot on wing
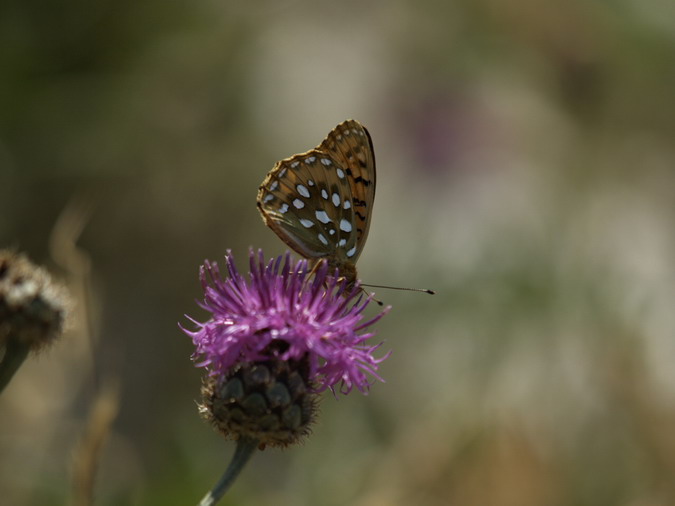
(310, 159)
(347, 204)
(331, 231)
(326, 162)
(351, 252)
(302, 190)
(340, 174)
(282, 172)
(342, 242)
(306, 223)
(283, 208)
(323, 239)
(274, 185)
(298, 204)
(321, 216)
(336, 200)
(345, 226)
(310, 182)
(295, 164)
(324, 194)
(268, 197)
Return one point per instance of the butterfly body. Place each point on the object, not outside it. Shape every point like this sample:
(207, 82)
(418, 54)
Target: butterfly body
(320, 202)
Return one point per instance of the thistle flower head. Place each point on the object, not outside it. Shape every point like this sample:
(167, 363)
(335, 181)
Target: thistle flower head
(281, 313)
(277, 339)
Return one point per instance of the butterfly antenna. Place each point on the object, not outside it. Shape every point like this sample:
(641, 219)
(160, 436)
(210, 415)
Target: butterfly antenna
(423, 290)
(379, 302)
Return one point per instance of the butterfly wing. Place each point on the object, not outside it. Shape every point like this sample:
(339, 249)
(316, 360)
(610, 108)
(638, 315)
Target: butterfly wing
(319, 202)
(287, 200)
(350, 143)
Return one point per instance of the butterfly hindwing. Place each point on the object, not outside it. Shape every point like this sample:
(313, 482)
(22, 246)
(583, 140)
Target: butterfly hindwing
(291, 202)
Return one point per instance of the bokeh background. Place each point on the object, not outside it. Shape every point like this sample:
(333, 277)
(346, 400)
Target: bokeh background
(526, 171)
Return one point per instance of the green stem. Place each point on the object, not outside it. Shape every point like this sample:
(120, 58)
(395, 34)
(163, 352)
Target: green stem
(244, 450)
(15, 353)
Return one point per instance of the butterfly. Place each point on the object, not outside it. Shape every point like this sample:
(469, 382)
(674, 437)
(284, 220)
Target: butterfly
(320, 202)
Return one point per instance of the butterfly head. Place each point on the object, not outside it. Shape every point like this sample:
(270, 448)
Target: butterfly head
(346, 270)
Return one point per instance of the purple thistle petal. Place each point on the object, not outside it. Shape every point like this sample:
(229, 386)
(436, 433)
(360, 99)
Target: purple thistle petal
(317, 319)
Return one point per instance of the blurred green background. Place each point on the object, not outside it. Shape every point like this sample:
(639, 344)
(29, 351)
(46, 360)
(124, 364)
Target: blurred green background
(526, 171)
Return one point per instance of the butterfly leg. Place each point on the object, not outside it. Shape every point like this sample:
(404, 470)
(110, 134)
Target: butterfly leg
(316, 264)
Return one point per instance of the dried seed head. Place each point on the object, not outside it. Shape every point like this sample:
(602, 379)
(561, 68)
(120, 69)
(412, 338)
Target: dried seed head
(32, 306)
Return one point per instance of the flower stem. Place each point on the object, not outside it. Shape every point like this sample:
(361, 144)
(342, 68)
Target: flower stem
(244, 450)
(15, 353)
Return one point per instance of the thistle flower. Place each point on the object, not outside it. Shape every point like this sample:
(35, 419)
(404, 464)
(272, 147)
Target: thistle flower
(273, 343)
(281, 334)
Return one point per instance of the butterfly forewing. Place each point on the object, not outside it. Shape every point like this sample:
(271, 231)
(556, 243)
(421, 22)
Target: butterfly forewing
(320, 202)
(351, 143)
